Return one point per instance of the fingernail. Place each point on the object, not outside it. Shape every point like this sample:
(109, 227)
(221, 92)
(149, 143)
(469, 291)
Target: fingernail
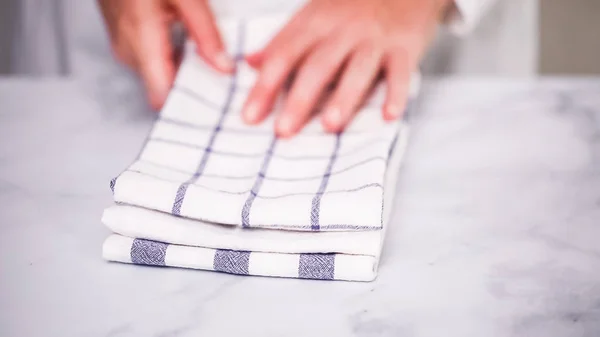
(393, 111)
(157, 99)
(224, 62)
(333, 116)
(251, 112)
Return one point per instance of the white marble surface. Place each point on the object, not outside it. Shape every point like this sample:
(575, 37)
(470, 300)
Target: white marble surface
(496, 229)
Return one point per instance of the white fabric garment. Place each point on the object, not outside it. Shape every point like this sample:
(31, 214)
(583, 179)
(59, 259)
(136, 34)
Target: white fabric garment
(468, 14)
(321, 199)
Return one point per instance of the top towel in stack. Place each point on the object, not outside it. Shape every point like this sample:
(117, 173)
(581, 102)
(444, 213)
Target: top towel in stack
(209, 192)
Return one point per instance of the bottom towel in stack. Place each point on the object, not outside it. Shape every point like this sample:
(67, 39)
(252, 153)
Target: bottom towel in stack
(150, 237)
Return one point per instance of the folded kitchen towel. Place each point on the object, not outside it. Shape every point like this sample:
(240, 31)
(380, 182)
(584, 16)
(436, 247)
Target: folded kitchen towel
(146, 224)
(202, 162)
(209, 192)
(149, 237)
(310, 266)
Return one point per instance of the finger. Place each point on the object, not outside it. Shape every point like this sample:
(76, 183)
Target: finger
(272, 75)
(313, 76)
(277, 60)
(200, 22)
(154, 58)
(357, 78)
(398, 69)
(124, 55)
(119, 33)
(303, 30)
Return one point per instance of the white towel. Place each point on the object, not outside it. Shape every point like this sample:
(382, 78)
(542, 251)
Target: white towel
(203, 174)
(310, 266)
(142, 223)
(200, 150)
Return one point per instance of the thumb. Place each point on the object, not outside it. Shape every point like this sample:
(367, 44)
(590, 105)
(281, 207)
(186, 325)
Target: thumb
(155, 59)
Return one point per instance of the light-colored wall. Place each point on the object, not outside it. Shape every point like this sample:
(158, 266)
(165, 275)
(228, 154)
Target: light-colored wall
(504, 44)
(7, 23)
(567, 42)
(570, 37)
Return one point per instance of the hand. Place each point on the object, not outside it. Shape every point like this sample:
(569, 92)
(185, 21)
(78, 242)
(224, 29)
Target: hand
(355, 39)
(140, 36)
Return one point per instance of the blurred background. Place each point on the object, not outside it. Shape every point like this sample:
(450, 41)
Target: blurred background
(515, 38)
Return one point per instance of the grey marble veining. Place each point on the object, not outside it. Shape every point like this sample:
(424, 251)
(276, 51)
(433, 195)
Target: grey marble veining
(495, 233)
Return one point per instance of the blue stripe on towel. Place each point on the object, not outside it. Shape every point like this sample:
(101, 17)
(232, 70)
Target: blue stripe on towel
(148, 252)
(182, 190)
(316, 201)
(232, 261)
(317, 266)
(257, 184)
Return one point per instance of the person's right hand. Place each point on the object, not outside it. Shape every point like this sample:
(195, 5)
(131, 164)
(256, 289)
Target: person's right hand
(140, 36)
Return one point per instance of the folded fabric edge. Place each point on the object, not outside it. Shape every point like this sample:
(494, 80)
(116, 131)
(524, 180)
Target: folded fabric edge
(333, 267)
(159, 187)
(152, 225)
(396, 161)
(298, 228)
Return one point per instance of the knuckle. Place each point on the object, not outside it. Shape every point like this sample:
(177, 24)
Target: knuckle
(276, 67)
(399, 51)
(368, 47)
(261, 88)
(319, 63)
(375, 29)
(318, 22)
(304, 94)
(278, 61)
(367, 25)
(266, 83)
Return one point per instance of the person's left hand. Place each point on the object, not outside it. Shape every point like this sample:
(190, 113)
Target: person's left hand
(356, 39)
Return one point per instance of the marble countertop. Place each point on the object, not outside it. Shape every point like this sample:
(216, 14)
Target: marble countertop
(496, 229)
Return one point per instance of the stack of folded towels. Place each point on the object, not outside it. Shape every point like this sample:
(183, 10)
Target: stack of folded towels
(209, 192)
